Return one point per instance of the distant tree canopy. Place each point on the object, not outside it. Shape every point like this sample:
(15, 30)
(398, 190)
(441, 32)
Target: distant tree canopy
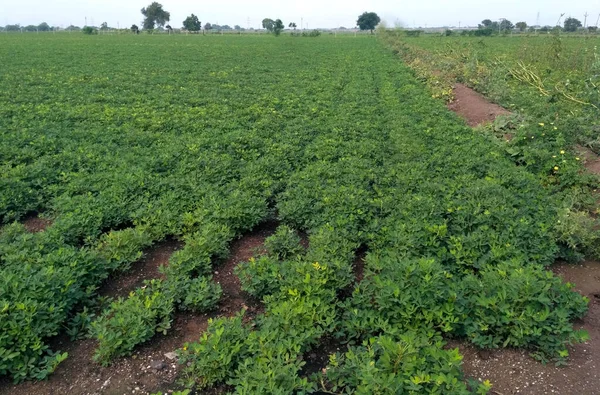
(155, 15)
(268, 24)
(135, 29)
(521, 26)
(572, 24)
(104, 26)
(506, 25)
(192, 23)
(237, 27)
(368, 21)
(12, 28)
(486, 23)
(207, 26)
(44, 27)
(89, 30)
(593, 28)
(278, 27)
(293, 25)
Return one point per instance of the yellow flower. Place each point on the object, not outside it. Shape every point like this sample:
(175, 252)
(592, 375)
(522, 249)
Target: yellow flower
(562, 152)
(555, 128)
(541, 124)
(555, 168)
(317, 266)
(577, 159)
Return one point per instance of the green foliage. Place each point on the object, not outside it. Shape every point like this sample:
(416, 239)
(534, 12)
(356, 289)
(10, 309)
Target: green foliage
(410, 363)
(132, 321)
(89, 30)
(192, 23)
(402, 296)
(260, 276)
(155, 15)
(268, 24)
(312, 33)
(273, 374)
(201, 294)
(572, 24)
(349, 149)
(218, 353)
(278, 27)
(511, 305)
(284, 244)
(368, 21)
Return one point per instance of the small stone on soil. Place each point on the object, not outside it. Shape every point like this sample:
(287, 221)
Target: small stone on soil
(171, 355)
(158, 365)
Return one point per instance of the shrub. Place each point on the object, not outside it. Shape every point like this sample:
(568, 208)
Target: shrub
(284, 244)
(411, 363)
(201, 294)
(89, 30)
(514, 306)
(132, 321)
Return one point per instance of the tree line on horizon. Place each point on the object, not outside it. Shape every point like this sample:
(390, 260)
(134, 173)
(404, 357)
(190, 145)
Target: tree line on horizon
(157, 18)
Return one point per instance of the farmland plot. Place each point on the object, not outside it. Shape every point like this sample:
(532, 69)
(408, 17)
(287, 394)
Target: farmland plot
(121, 142)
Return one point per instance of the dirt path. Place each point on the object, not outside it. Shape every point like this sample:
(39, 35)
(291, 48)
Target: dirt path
(474, 107)
(149, 369)
(35, 224)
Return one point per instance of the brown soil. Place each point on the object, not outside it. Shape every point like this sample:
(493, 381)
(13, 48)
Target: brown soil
(474, 107)
(148, 370)
(514, 372)
(358, 266)
(591, 161)
(241, 250)
(35, 224)
(146, 268)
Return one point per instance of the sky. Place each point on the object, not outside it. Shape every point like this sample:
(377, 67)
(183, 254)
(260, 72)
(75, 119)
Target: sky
(311, 13)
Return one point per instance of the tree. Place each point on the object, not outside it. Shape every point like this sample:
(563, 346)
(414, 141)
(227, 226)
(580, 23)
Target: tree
(593, 29)
(30, 28)
(486, 23)
(506, 25)
(12, 28)
(207, 26)
(89, 30)
(521, 26)
(293, 25)
(192, 23)
(169, 29)
(237, 27)
(104, 26)
(268, 24)
(278, 27)
(572, 24)
(43, 27)
(135, 29)
(155, 16)
(368, 21)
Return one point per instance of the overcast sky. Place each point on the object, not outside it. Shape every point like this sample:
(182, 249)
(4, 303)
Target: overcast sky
(314, 13)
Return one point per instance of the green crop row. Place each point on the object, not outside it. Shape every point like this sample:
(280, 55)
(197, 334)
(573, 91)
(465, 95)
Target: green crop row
(204, 138)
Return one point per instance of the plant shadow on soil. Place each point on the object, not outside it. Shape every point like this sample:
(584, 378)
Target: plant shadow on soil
(148, 370)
